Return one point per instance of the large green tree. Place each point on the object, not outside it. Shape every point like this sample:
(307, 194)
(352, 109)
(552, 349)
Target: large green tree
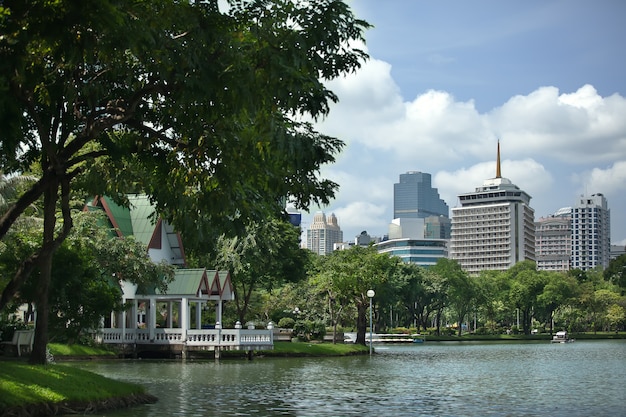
(266, 256)
(199, 107)
(526, 286)
(559, 291)
(348, 274)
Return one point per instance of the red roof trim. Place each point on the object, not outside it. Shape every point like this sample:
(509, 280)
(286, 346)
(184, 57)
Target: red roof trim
(157, 236)
(107, 210)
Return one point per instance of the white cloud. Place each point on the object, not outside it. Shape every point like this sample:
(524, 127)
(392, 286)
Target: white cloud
(359, 216)
(610, 181)
(554, 144)
(580, 127)
(577, 127)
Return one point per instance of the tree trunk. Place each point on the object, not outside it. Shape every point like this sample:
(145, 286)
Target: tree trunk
(550, 319)
(526, 320)
(361, 324)
(39, 354)
(40, 343)
(28, 198)
(438, 320)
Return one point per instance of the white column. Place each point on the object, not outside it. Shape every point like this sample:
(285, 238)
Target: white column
(151, 317)
(134, 312)
(184, 317)
(218, 312)
(123, 324)
(170, 313)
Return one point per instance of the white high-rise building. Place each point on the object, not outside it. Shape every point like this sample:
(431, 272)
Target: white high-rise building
(323, 234)
(494, 227)
(591, 233)
(553, 241)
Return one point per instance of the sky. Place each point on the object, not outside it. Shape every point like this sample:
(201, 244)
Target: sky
(447, 79)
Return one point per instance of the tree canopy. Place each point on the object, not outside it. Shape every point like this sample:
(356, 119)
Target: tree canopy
(197, 107)
(200, 108)
(347, 275)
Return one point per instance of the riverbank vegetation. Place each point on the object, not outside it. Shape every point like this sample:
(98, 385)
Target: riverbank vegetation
(443, 300)
(297, 349)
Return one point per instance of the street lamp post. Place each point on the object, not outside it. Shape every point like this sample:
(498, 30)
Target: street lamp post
(370, 294)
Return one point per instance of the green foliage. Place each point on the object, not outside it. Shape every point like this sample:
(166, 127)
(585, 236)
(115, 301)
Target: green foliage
(201, 109)
(616, 272)
(461, 291)
(286, 323)
(309, 329)
(197, 107)
(345, 276)
(87, 264)
(268, 255)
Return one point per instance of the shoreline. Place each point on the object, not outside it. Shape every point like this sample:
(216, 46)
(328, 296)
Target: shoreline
(78, 407)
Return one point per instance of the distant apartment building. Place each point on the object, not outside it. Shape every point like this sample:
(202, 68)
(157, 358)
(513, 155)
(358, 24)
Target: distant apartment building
(323, 234)
(364, 239)
(617, 251)
(553, 241)
(494, 227)
(591, 233)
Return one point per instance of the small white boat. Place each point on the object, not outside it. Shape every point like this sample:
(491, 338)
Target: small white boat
(561, 337)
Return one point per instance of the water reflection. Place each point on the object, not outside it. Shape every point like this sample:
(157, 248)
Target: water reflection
(442, 379)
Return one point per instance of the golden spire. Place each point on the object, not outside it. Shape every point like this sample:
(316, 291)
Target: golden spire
(498, 174)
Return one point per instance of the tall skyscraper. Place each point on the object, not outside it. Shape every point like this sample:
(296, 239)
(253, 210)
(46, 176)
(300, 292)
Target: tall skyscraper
(494, 227)
(323, 233)
(553, 241)
(591, 232)
(415, 198)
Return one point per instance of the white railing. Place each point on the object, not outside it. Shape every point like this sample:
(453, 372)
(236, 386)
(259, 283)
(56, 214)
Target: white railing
(231, 338)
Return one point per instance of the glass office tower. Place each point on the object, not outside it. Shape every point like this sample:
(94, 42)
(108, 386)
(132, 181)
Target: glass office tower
(415, 198)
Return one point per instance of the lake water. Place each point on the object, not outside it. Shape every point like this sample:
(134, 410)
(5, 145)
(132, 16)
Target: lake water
(431, 379)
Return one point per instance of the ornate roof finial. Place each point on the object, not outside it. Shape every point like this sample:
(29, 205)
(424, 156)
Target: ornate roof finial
(498, 173)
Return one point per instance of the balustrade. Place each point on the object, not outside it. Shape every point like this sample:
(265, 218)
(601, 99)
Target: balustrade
(203, 337)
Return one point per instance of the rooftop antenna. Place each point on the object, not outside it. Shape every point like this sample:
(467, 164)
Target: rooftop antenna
(498, 173)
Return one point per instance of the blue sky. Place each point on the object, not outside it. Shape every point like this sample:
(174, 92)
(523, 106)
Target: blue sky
(447, 79)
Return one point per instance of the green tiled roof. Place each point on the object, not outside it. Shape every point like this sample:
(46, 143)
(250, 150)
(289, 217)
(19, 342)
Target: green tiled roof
(143, 223)
(186, 282)
(121, 215)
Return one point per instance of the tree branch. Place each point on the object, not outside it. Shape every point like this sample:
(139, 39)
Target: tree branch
(25, 201)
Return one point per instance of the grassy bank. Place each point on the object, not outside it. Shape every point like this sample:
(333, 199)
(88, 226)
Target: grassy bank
(301, 349)
(37, 390)
(59, 350)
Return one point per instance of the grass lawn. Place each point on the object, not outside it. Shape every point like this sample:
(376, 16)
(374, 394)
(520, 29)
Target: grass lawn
(60, 350)
(299, 349)
(23, 384)
(315, 349)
